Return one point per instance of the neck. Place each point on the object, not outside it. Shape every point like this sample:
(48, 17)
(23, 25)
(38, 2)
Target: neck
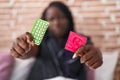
(59, 39)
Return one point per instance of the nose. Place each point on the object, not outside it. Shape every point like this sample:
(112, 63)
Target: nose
(56, 22)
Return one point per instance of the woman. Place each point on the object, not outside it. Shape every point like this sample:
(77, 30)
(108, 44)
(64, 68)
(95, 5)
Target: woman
(51, 58)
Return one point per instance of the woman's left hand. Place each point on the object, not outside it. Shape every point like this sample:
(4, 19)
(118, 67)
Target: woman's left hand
(89, 55)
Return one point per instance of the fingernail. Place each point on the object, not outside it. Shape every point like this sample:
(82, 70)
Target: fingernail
(74, 56)
(28, 41)
(82, 61)
(32, 43)
(27, 37)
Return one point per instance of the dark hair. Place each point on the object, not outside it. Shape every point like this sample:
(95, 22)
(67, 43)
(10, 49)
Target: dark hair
(64, 9)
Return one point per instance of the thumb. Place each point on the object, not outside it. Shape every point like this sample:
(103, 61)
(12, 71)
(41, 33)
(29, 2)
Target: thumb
(79, 52)
(29, 38)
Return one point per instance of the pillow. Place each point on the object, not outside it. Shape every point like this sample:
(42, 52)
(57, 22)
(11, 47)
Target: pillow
(105, 72)
(22, 68)
(6, 65)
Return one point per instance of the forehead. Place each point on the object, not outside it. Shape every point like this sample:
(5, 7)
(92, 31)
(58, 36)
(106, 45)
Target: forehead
(54, 12)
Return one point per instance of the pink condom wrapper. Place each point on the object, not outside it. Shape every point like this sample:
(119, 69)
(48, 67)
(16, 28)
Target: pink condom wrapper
(75, 41)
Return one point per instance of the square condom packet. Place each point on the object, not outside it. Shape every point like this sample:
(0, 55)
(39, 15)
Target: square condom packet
(75, 41)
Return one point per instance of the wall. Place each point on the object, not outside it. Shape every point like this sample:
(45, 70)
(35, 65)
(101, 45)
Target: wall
(99, 19)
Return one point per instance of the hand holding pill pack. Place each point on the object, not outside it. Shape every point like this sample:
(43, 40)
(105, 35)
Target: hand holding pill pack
(38, 30)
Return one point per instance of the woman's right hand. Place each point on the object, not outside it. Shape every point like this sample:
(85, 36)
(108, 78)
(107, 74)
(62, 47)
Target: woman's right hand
(23, 47)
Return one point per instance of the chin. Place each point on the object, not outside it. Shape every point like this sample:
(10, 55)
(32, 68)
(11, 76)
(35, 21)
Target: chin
(59, 35)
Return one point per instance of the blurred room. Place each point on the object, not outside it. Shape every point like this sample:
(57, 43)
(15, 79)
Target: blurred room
(99, 19)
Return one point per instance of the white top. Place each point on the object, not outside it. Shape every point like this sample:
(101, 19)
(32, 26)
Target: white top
(105, 72)
(21, 69)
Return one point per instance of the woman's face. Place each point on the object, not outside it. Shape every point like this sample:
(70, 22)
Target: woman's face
(58, 22)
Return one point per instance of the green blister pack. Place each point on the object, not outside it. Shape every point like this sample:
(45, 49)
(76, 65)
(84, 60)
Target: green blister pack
(38, 30)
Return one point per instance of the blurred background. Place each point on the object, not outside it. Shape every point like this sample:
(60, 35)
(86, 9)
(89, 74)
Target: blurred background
(99, 19)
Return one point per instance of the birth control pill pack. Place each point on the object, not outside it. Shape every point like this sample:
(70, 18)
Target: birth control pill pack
(38, 30)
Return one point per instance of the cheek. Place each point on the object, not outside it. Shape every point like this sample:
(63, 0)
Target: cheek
(65, 22)
(51, 28)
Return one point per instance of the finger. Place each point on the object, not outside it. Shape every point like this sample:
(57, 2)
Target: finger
(30, 42)
(100, 53)
(14, 53)
(74, 56)
(18, 48)
(92, 61)
(25, 56)
(22, 43)
(81, 51)
(29, 38)
(24, 36)
(96, 65)
(27, 51)
(87, 48)
(87, 56)
(78, 52)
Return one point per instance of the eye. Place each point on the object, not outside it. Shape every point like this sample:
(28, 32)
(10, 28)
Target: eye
(61, 17)
(50, 19)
